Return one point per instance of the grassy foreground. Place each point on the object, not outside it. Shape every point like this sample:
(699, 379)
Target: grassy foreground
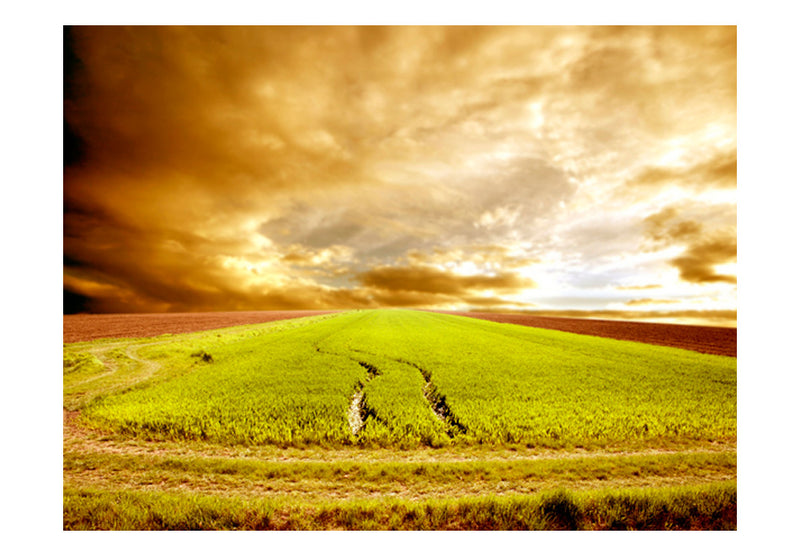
(680, 508)
(396, 420)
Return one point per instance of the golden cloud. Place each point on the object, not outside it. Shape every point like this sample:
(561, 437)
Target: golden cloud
(698, 261)
(434, 281)
(486, 256)
(703, 250)
(719, 171)
(666, 227)
(650, 301)
(719, 317)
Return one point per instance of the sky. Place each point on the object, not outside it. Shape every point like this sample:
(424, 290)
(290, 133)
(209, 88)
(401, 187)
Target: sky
(571, 171)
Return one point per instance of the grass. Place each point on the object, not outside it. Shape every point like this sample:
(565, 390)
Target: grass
(322, 481)
(462, 424)
(427, 379)
(676, 508)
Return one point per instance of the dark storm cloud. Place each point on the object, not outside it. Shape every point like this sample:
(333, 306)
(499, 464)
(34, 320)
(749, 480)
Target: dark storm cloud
(405, 298)
(75, 303)
(182, 100)
(431, 280)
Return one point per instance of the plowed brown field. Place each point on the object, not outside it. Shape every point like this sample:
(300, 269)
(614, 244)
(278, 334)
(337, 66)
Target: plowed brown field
(82, 328)
(704, 339)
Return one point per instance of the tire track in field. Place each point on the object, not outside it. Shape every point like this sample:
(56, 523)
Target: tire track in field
(359, 410)
(438, 402)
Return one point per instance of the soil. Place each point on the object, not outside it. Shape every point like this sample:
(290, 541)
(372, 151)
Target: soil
(704, 339)
(82, 328)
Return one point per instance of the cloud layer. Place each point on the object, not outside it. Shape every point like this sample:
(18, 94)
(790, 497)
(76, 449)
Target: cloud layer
(227, 168)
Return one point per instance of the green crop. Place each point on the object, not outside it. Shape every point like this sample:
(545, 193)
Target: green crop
(408, 378)
(704, 507)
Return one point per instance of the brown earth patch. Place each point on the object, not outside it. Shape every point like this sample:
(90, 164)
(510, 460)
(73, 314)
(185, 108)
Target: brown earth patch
(704, 339)
(83, 327)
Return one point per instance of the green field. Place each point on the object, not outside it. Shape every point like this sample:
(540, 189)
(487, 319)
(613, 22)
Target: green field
(436, 413)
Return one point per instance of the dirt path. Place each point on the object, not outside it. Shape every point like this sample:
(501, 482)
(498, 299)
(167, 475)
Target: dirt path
(148, 365)
(312, 490)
